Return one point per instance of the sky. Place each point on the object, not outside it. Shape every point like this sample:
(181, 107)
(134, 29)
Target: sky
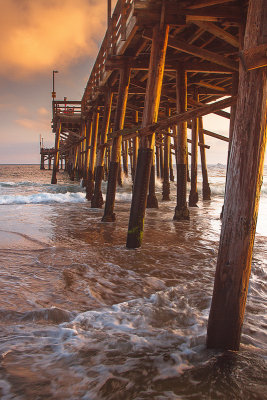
(37, 37)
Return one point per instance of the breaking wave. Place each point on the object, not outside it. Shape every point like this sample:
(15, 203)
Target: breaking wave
(50, 198)
(43, 198)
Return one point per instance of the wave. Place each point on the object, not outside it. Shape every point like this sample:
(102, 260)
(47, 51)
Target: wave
(16, 184)
(53, 315)
(43, 198)
(219, 189)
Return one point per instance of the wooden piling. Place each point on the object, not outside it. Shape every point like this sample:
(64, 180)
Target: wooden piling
(42, 166)
(88, 132)
(171, 165)
(114, 164)
(242, 195)
(181, 209)
(135, 146)
(152, 201)
(205, 181)
(93, 144)
(166, 170)
(125, 156)
(157, 160)
(145, 154)
(74, 173)
(56, 156)
(193, 195)
(235, 80)
(97, 199)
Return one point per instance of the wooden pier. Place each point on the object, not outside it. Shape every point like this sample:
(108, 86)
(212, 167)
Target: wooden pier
(162, 66)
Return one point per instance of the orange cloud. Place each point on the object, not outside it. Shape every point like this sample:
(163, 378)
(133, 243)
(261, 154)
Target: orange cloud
(39, 35)
(22, 110)
(32, 124)
(43, 111)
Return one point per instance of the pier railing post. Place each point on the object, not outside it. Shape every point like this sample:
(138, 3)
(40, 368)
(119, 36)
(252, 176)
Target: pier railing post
(145, 154)
(243, 186)
(181, 209)
(56, 156)
(115, 159)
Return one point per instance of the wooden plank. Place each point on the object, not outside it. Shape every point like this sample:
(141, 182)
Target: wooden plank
(198, 52)
(218, 32)
(203, 53)
(210, 86)
(171, 121)
(221, 113)
(206, 67)
(218, 13)
(205, 3)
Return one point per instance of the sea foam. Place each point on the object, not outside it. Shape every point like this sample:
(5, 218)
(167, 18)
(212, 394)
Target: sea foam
(43, 198)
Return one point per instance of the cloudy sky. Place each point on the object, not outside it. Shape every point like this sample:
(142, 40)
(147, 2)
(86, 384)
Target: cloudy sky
(38, 36)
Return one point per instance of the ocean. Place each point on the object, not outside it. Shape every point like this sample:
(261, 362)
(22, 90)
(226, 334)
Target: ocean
(82, 317)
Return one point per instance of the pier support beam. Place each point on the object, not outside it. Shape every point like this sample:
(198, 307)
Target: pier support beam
(97, 199)
(56, 156)
(193, 196)
(115, 160)
(205, 181)
(91, 169)
(152, 201)
(125, 157)
(42, 166)
(235, 80)
(88, 132)
(171, 167)
(145, 154)
(135, 147)
(166, 175)
(85, 152)
(242, 195)
(181, 209)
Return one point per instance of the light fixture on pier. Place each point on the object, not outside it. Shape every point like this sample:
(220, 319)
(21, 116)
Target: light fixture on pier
(53, 92)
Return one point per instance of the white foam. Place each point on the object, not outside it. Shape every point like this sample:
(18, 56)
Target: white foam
(123, 196)
(15, 184)
(43, 198)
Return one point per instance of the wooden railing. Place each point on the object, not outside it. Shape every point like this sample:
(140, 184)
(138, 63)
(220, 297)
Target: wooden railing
(115, 34)
(67, 107)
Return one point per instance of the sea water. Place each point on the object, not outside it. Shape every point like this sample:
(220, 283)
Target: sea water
(82, 317)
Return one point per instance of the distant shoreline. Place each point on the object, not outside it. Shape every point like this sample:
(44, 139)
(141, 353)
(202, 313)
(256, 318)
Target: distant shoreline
(19, 164)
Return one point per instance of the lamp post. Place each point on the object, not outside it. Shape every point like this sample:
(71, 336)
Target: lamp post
(53, 92)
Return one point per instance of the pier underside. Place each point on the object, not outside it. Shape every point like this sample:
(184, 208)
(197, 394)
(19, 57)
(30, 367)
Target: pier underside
(162, 66)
